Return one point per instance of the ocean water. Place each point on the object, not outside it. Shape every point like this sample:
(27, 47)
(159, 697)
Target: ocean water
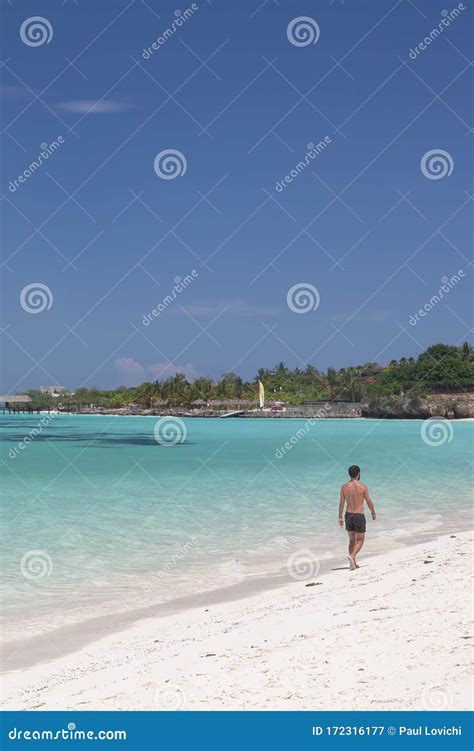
(103, 514)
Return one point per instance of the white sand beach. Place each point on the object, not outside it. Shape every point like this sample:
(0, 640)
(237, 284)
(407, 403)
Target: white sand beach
(395, 634)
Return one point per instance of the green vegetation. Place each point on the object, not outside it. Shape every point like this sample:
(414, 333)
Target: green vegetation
(441, 368)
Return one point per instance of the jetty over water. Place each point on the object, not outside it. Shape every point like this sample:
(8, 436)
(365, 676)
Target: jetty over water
(17, 403)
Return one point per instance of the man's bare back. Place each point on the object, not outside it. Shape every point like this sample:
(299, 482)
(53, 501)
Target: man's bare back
(355, 493)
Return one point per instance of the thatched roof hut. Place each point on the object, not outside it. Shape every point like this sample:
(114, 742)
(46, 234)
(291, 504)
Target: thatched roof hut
(15, 399)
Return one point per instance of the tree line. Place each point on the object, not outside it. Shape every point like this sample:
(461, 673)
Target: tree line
(441, 367)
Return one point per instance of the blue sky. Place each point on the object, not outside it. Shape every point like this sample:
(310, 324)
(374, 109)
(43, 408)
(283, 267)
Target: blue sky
(107, 236)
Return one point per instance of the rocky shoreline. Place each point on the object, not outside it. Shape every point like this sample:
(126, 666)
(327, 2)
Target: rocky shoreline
(449, 406)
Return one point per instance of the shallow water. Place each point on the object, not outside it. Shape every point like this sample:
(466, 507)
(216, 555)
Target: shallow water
(99, 516)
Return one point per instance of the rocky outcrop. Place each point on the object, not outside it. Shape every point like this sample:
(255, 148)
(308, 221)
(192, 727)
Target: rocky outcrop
(450, 406)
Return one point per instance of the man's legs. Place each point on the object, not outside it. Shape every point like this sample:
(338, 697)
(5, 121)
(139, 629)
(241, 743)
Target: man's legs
(359, 541)
(352, 542)
(352, 538)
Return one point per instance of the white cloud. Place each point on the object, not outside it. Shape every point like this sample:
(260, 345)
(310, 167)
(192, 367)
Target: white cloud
(94, 107)
(131, 372)
(163, 370)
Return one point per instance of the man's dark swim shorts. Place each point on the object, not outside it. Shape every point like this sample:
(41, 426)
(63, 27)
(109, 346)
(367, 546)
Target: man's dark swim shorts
(355, 522)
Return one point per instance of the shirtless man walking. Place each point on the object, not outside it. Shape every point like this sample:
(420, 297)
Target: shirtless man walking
(354, 493)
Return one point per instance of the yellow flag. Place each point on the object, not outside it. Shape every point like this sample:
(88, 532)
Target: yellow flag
(261, 394)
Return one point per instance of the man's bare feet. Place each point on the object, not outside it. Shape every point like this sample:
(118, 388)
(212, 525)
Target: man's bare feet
(352, 563)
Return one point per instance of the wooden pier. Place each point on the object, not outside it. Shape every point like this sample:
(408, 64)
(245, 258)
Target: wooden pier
(18, 404)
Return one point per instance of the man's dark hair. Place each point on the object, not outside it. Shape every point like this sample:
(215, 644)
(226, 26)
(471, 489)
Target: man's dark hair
(354, 471)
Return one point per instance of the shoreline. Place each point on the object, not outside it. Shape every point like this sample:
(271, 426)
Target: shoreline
(37, 648)
(247, 416)
(174, 644)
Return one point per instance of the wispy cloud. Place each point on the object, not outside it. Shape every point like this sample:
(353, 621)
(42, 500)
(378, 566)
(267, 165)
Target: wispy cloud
(132, 373)
(94, 107)
(163, 370)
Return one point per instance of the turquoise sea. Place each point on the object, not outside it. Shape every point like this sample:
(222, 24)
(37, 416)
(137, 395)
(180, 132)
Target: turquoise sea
(103, 514)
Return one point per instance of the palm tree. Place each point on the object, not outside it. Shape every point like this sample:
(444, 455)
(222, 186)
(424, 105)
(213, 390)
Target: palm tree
(466, 351)
(263, 375)
(351, 386)
(281, 371)
(331, 382)
(202, 388)
(145, 394)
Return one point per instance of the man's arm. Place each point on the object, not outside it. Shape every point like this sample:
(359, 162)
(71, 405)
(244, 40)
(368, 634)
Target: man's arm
(342, 500)
(369, 502)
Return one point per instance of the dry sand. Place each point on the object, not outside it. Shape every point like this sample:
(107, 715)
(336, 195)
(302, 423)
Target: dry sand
(395, 634)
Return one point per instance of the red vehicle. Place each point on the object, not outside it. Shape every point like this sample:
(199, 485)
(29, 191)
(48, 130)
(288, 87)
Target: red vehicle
(277, 406)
